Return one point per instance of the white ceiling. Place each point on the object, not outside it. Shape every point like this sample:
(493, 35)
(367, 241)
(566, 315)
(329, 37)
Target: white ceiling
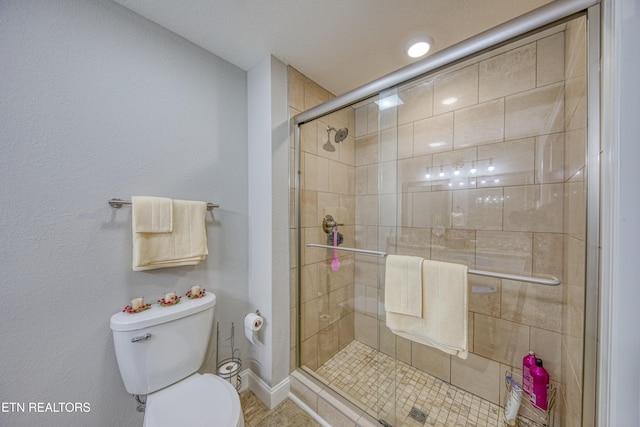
(340, 44)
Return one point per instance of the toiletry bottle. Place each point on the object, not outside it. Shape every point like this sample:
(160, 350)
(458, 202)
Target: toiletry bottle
(540, 380)
(513, 403)
(527, 362)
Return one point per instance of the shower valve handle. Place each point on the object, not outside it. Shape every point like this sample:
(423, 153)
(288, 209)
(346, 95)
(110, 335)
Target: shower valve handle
(328, 224)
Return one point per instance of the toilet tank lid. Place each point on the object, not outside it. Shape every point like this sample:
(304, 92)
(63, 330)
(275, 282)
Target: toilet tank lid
(157, 314)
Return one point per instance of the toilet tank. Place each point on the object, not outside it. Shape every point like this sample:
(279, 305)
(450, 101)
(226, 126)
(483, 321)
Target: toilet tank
(162, 345)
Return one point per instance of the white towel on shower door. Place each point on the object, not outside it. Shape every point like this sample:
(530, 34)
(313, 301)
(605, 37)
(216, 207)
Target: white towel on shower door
(444, 304)
(403, 285)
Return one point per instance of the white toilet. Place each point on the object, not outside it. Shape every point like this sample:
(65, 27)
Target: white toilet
(159, 351)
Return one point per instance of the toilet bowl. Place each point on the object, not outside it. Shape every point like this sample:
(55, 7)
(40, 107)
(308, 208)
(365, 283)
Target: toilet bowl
(199, 400)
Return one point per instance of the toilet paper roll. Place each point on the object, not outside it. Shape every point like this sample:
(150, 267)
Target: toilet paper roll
(252, 324)
(230, 371)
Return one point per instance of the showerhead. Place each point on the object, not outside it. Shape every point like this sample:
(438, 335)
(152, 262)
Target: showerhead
(341, 134)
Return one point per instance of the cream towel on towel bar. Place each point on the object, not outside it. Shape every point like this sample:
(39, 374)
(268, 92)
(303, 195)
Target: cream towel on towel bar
(152, 214)
(185, 245)
(403, 285)
(444, 308)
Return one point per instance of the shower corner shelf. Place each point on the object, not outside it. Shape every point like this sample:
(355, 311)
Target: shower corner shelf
(529, 415)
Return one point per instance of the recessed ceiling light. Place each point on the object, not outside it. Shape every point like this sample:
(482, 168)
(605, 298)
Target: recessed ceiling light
(418, 46)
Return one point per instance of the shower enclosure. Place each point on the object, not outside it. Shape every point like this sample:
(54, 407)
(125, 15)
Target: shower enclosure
(481, 162)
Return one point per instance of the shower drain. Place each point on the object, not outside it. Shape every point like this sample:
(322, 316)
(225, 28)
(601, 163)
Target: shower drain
(418, 415)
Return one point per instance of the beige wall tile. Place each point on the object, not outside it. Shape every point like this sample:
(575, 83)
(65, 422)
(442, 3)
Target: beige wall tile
(367, 210)
(503, 251)
(345, 330)
(548, 254)
(413, 241)
(405, 141)
(431, 361)
(316, 173)
(575, 153)
(296, 89)
(361, 180)
(366, 270)
(309, 352)
(308, 208)
(480, 124)
(309, 137)
(513, 163)
(412, 174)
(549, 158)
(575, 48)
(574, 261)
(573, 311)
(417, 103)
(535, 112)
(508, 73)
(477, 209)
(341, 303)
(458, 246)
(534, 208)
(548, 347)
(432, 209)
(403, 350)
(341, 179)
(461, 84)
(477, 375)
(533, 305)
(315, 316)
(310, 289)
(314, 94)
(365, 329)
(484, 303)
(575, 215)
(327, 343)
(500, 340)
(387, 340)
(361, 118)
(433, 134)
(367, 150)
(550, 59)
(576, 103)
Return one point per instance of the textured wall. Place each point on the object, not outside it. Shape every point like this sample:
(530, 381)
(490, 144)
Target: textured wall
(95, 103)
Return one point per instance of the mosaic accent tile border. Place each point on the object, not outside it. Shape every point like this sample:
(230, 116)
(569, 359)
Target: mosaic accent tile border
(370, 377)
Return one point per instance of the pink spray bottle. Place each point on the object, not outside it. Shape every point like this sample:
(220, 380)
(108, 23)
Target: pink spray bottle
(527, 362)
(540, 379)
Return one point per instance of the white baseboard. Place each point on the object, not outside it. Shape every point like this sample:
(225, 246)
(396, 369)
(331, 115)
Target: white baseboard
(270, 396)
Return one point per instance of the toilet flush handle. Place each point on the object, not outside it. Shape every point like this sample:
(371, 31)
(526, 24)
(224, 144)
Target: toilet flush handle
(141, 337)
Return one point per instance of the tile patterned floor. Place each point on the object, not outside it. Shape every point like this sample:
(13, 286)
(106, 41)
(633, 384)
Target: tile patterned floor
(286, 414)
(369, 376)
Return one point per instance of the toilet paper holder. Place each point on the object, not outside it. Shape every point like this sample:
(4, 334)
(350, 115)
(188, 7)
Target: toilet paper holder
(228, 368)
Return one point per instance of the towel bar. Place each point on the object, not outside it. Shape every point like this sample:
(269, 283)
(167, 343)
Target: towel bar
(551, 281)
(117, 203)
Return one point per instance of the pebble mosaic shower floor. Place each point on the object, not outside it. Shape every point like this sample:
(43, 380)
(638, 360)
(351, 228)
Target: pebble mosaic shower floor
(366, 374)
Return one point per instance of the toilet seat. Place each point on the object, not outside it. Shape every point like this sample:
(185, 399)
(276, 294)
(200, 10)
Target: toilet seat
(197, 401)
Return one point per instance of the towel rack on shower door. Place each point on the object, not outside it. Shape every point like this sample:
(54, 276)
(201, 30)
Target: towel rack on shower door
(552, 281)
